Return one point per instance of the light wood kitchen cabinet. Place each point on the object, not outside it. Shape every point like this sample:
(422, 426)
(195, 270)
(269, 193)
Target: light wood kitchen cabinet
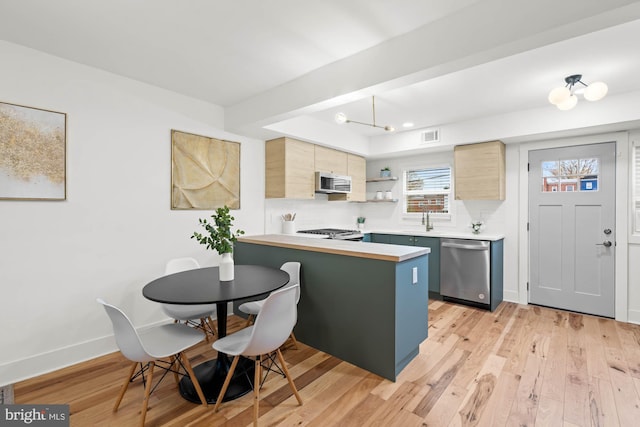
(479, 171)
(289, 169)
(357, 170)
(330, 160)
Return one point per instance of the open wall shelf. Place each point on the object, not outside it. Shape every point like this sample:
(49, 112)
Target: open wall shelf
(382, 179)
(381, 201)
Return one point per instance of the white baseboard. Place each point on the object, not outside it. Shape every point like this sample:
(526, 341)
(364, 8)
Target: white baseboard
(23, 369)
(511, 296)
(634, 317)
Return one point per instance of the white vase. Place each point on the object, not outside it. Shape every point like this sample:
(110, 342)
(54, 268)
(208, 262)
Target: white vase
(226, 268)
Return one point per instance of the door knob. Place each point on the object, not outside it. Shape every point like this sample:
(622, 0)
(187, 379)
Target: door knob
(606, 244)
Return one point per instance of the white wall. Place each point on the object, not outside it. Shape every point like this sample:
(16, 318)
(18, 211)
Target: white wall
(115, 231)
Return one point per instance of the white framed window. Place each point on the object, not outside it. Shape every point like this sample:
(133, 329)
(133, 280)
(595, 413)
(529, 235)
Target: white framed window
(427, 189)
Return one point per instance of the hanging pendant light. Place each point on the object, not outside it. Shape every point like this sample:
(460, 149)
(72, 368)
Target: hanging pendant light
(565, 98)
(342, 118)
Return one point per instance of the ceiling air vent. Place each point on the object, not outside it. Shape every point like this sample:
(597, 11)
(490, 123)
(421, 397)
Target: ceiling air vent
(430, 135)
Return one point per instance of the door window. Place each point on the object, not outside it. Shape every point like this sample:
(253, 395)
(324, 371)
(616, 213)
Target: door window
(574, 175)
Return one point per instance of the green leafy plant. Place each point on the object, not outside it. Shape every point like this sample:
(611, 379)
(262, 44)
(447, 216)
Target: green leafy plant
(361, 220)
(386, 168)
(219, 235)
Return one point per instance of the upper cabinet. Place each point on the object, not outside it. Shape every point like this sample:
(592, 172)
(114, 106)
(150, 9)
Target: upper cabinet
(479, 171)
(330, 160)
(357, 170)
(289, 169)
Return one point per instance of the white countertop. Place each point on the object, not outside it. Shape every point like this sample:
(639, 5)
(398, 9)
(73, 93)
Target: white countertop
(441, 233)
(381, 251)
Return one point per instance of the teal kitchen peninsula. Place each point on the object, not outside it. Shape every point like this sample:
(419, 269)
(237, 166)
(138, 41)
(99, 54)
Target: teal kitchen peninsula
(365, 303)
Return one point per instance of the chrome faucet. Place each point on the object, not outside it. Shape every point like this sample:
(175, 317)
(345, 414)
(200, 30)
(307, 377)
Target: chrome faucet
(427, 223)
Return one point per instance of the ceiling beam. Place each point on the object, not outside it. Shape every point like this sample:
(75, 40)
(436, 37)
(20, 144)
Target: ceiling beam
(497, 29)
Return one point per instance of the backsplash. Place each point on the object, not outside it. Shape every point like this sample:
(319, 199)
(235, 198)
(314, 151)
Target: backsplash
(316, 213)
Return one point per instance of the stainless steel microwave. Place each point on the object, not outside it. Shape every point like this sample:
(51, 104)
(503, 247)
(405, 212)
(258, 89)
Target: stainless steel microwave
(330, 183)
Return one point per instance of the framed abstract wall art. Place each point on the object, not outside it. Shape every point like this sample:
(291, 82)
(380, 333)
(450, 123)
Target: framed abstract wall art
(205, 172)
(32, 153)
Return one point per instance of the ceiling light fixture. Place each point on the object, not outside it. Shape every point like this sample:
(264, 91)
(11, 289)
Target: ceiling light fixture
(565, 98)
(342, 118)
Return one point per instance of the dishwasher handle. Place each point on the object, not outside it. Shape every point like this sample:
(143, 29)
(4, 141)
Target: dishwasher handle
(480, 246)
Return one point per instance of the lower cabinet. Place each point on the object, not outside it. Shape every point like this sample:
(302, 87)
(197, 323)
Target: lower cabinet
(432, 243)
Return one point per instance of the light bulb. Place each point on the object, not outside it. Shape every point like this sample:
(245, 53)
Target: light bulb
(595, 91)
(341, 118)
(559, 95)
(568, 103)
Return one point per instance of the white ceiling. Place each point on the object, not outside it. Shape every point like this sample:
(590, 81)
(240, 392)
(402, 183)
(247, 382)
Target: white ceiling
(431, 62)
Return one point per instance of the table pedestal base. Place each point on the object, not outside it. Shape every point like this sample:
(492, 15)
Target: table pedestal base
(211, 376)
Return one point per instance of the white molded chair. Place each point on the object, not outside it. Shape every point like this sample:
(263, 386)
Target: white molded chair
(199, 315)
(252, 308)
(149, 347)
(272, 327)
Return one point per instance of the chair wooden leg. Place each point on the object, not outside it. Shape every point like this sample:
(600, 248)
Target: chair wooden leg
(249, 321)
(147, 392)
(212, 326)
(175, 371)
(256, 390)
(226, 383)
(295, 342)
(123, 390)
(203, 326)
(187, 365)
(286, 373)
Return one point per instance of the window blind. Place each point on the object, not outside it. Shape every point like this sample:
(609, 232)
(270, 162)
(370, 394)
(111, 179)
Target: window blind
(428, 180)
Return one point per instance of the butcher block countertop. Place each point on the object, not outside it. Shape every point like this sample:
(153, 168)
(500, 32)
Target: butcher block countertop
(380, 251)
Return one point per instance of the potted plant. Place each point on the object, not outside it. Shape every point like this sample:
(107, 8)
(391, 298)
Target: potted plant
(220, 237)
(361, 220)
(475, 226)
(385, 172)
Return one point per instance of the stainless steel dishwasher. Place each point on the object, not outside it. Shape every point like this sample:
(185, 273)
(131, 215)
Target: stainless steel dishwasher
(464, 270)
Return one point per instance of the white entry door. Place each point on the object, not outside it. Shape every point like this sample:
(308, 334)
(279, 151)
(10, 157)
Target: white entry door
(571, 228)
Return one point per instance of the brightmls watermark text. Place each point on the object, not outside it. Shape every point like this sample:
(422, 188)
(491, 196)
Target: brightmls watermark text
(35, 415)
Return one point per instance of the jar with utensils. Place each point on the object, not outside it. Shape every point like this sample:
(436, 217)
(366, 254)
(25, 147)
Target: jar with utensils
(288, 223)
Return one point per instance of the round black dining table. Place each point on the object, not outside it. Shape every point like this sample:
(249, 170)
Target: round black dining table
(203, 286)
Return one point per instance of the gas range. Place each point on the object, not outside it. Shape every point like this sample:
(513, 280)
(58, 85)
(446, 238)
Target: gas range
(334, 233)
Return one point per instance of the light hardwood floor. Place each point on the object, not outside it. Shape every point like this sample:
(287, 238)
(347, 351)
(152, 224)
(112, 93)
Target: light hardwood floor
(518, 366)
